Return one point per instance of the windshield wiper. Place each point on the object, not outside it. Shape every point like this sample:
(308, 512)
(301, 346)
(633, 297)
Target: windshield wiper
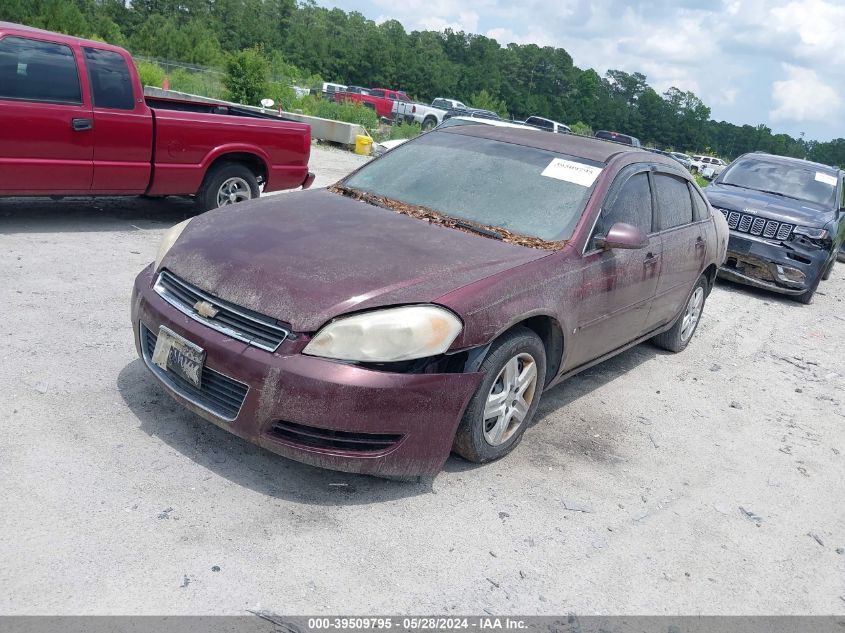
(777, 193)
(476, 229)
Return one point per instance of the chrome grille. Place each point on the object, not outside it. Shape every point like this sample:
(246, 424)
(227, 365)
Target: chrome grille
(245, 325)
(218, 394)
(755, 225)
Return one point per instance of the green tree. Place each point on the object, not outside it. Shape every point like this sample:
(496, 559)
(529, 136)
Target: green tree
(247, 76)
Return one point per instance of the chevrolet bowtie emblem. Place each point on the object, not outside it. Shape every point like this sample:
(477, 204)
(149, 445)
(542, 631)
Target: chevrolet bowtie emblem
(205, 309)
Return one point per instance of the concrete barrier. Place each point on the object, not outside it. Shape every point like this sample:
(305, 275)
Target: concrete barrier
(321, 129)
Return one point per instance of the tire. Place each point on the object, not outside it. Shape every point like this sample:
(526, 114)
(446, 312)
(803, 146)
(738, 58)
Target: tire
(507, 370)
(676, 338)
(237, 178)
(428, 124)
(840, 256)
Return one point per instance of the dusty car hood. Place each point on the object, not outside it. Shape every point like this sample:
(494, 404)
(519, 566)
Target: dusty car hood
(769, 206)
(306, 257)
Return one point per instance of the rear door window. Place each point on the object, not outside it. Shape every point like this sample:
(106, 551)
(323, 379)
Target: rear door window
(377, 93)
(631, 205)
(111, 83)
(700, 210)
(674, 205)
(31, 70)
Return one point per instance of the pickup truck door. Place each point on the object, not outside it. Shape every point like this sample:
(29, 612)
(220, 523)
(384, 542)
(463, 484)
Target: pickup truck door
(123, 124)
(46, 144)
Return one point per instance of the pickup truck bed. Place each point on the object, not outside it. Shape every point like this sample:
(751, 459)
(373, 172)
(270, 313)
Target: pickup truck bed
(76, 122)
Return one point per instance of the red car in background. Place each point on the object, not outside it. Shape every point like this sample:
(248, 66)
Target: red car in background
(383, 100)
(75, 122)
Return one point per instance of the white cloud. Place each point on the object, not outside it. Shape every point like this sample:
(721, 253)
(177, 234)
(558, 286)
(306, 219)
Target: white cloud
(729, 52)
(803, 96)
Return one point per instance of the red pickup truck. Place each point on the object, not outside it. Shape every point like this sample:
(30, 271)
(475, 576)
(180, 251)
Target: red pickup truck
(75, 121)
(383, 100)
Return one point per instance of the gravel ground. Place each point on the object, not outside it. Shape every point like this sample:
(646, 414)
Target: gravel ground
(705, 482)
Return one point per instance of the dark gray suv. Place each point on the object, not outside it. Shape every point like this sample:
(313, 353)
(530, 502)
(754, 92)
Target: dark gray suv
(787, 222)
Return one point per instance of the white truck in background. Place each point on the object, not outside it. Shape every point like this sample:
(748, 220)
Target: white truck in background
(429, 116)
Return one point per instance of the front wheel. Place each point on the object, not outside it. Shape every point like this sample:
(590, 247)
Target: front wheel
(506, 400)
(676, 338)
(226, 184)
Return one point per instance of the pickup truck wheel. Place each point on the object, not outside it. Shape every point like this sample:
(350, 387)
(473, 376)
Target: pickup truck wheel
(676, 338)
(428, 124)
(225, 184)
(506, 400)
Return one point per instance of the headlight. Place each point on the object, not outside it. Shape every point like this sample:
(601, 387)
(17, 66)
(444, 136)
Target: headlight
(389, 335)
(169, 240)
(813, 234)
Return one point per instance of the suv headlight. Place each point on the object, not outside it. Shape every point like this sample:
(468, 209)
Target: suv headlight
(813, 234)
(169, 240)
(384, 336)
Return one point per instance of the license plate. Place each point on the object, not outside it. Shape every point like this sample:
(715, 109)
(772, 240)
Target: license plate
(179, 356)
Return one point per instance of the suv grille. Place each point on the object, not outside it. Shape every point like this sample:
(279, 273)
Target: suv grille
(240, 323)
(316, 437)
(218, 394)
(755, 225)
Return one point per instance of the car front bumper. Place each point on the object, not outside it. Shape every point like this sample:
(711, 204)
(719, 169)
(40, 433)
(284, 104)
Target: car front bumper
(785, 267)
(317, 411)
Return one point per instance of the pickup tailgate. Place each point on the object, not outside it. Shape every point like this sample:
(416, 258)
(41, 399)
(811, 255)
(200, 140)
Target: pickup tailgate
(187, 143)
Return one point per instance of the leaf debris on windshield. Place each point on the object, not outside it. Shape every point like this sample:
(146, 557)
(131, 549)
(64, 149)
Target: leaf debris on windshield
(435, 217)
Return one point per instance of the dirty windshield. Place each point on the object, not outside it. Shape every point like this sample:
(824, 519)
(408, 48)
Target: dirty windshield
(792, 181)
(520, 189)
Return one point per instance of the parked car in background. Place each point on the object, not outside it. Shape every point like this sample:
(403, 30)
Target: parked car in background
(431, 116)
(384, 101)
(329, 90)
(358, 90)
(787, 222)
(377, 325)
(684, 159)
(75, 122)
(474, 113)
(616, 137)
(708, 166)
(548, 125)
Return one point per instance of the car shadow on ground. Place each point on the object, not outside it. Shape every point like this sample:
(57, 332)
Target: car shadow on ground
(582, 385)
(243, 463)
(760, 294)
(70, 215)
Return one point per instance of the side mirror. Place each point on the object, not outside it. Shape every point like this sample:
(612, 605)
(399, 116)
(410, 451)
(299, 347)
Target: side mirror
(622, 235)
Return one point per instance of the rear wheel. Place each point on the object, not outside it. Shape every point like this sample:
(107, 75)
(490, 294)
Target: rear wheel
(676, 338)
(429, 124)
(226, 184)
(506, 400)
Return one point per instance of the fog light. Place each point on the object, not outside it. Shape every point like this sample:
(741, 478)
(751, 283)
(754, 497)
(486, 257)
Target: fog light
(790, 275)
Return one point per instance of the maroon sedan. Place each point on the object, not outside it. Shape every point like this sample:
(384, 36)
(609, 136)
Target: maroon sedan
(424, 303)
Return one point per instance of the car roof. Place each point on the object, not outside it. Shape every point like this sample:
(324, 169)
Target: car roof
(573, 144)
(788, 160)
(31, 31)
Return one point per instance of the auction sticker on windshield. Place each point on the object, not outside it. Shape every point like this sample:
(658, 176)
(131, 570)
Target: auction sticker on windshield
(826, 178)
(570, 171)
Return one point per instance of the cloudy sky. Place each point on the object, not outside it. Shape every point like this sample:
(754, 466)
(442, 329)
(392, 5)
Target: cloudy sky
(778, 62)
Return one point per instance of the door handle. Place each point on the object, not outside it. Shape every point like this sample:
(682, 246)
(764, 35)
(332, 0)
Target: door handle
(650, 259)
(699, 242)
(80, 125)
